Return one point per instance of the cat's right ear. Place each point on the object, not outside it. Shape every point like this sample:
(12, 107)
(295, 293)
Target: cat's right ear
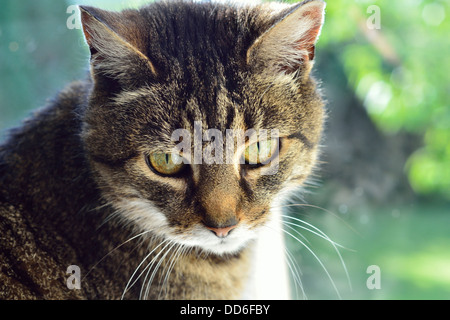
(112, 55)
(288, 47)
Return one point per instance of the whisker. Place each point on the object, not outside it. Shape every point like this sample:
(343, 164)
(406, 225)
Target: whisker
(122, 244)
(100, 207)
(149, 283)
(326, 237)
(318, 260)
(111, 216)
(319, 208)
(294, 269)
(114, 214)
(287, 223)
(174, 258)
(148, 268)
(292, 266)
(128, 287)
(319, 234)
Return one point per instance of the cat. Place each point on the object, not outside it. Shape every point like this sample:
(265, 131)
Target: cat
(94, 202)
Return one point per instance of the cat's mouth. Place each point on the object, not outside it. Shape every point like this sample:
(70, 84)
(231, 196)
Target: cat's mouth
(219, 241)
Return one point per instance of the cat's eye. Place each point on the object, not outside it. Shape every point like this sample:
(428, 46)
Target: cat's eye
(261, 152)
(166, 164)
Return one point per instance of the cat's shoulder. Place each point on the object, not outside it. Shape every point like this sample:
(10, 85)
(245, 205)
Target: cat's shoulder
(29, 269)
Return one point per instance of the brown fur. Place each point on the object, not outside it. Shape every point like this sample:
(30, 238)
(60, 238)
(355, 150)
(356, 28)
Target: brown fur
(76, 190)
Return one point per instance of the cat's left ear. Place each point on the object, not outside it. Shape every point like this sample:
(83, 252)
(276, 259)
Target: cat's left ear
(115, 53)
(289, 45)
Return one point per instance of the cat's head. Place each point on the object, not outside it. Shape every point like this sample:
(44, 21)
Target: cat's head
(202, 114)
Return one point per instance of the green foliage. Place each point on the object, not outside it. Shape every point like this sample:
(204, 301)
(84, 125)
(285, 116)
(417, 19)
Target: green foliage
(408, 243)
(400, 72)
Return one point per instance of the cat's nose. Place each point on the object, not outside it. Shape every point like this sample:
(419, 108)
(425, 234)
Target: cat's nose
(223, 229)
(222, 232)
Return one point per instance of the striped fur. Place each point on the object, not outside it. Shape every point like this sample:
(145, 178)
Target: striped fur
(153, 71)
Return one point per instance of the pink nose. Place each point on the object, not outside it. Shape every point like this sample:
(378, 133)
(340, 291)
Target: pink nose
(222, 232)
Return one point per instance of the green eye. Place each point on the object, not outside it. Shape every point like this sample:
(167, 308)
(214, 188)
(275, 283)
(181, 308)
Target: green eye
(167, 164)
(260, 152)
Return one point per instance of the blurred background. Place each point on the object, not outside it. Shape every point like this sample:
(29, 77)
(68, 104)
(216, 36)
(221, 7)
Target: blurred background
(375, 222)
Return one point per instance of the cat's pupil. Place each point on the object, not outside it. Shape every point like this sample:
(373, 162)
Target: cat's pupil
(165, 163)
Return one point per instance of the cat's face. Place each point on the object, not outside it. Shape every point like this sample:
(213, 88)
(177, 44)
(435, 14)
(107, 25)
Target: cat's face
(209, 74)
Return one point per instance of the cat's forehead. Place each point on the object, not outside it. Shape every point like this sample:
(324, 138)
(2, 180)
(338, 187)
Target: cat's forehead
(162, 110)
(196, 42)
(218, 65)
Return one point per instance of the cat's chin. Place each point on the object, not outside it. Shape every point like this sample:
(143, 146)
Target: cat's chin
(224, 248)
(205, 240)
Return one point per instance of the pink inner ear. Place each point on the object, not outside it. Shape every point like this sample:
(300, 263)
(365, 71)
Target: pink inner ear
(86, 18)
(309, 40)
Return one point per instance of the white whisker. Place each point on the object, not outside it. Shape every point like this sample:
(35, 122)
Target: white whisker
(128, 287)
(149, 283)
(320, 233)
(174, 258)
(292, 265)
(323, 236)
(296, 273)
(319, 208)
(318, 260)
(122, 244)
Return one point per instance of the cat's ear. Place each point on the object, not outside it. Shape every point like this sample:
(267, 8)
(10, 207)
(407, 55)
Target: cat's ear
(289, 45)
(111, 54)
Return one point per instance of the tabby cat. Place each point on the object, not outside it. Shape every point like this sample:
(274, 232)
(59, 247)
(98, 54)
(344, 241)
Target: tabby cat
(96, 204)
